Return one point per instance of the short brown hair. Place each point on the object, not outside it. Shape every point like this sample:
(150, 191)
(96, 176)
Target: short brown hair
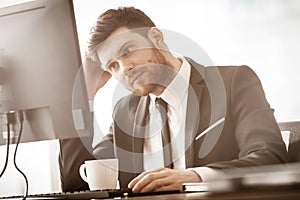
(113, 19)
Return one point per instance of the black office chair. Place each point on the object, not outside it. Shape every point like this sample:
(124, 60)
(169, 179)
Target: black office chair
(294, 139)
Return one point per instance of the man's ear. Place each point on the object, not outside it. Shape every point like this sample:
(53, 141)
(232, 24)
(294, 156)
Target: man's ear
(157, 38)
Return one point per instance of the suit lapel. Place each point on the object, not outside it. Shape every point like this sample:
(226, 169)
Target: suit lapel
(193, 109)
(139, 129)
(207, 96)
(130, 120)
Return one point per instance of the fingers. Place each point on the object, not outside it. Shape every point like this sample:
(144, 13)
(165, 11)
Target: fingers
(162, 179)
(159, 184)
(142, 175)
(152, 180)
(172, 186)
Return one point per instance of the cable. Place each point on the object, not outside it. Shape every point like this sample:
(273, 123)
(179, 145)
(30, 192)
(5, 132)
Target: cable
(15, 153)
(7, 150)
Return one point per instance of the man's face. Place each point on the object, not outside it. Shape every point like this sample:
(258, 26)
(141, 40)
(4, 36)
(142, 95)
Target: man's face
(133, 60)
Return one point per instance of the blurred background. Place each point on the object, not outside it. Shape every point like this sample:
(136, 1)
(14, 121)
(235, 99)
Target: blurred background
(263, 34)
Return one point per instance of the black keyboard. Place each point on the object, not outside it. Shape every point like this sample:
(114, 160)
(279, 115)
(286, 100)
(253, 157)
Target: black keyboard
(97, 194)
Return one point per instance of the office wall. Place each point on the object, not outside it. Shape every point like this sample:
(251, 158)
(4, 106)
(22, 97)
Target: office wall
(9, 2)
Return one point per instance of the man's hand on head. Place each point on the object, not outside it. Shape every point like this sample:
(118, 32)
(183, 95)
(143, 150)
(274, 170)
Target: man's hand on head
(162, 179)
(95, 77)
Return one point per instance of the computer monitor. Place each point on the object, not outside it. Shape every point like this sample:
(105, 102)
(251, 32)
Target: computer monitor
(42, 60)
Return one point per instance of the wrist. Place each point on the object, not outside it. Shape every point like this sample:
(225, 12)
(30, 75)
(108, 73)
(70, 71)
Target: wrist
(194, 176)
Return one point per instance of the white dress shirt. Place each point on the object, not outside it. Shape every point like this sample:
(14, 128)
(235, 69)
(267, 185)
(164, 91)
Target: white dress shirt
(175, 95)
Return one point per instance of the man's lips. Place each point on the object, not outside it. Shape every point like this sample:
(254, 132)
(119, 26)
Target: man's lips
(135, 77)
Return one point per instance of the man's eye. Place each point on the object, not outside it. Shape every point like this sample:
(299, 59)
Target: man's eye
(127, 51)
(113, 66)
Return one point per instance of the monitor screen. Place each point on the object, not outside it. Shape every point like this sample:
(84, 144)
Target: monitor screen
(42, 64)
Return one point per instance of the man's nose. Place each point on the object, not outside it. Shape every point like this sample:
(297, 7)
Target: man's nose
(125, 67)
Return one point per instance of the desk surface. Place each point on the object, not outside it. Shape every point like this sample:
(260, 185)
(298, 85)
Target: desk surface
(264, 195)
(291, 194)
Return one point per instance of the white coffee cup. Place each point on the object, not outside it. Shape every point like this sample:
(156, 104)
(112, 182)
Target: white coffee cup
(100, 174)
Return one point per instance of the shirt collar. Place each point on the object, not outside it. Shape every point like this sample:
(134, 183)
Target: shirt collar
(177, 89)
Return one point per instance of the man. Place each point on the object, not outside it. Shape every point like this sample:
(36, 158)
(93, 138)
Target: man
(226, 104)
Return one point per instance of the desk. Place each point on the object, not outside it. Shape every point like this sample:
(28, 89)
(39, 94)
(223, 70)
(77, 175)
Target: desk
(291, 194)
(257, 195)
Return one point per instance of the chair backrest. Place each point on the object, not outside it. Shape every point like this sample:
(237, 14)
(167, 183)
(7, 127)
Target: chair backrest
(294, 139)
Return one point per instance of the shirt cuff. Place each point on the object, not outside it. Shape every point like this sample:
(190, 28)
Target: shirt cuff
(207, 173)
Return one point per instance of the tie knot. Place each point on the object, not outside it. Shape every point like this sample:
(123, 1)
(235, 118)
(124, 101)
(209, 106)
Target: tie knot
(161, 105)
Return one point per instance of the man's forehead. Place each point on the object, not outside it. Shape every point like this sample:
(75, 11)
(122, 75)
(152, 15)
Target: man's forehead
(110, 48)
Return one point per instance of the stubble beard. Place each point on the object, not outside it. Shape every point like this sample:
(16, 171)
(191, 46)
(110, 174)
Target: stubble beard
(159, 80)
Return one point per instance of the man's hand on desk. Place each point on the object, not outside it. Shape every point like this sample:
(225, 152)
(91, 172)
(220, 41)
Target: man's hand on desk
(162, 179)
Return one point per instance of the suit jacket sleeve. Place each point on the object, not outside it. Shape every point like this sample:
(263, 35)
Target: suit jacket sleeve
(255, 129)
(73, 153)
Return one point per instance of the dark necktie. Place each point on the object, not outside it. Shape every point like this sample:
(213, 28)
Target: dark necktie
(162, 107)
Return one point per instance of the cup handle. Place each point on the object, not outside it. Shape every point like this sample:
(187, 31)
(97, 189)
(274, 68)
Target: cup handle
(82, 172)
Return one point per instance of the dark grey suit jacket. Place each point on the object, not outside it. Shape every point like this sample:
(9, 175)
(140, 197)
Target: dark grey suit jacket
(249, 135)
